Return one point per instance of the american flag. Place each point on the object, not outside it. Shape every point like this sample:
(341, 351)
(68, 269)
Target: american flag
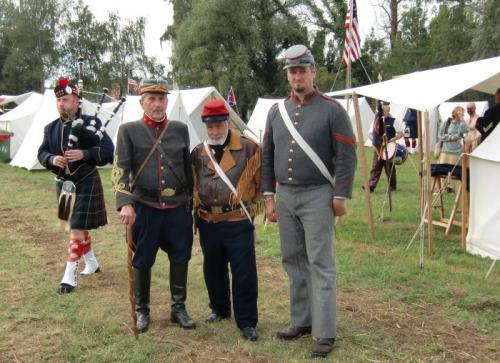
(352, 44)
(132, 86)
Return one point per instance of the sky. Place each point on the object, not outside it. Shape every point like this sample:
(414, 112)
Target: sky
(158, 15)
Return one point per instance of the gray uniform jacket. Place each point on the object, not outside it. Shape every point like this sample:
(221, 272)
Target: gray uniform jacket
(166, 180)
(326, 127)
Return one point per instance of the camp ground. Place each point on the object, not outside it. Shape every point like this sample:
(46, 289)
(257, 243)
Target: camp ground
(424, 91)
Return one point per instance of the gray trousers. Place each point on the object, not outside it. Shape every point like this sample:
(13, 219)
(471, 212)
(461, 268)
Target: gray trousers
(306, 223)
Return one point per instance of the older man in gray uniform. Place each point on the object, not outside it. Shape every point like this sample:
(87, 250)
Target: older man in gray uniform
(306, 201)
(153, 183)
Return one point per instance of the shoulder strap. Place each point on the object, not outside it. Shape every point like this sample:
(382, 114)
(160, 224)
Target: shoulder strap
(155, 145)
(304, 145)
(224, 178)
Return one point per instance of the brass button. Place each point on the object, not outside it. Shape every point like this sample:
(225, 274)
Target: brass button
(291, 150)
(162, 167)
(295, 123)
(293, 141)
(297, 114)
(163, 204)
(163, 181)
(299, 106)
(290, 169)
(290, 179)
(161, 156)
(290, 160)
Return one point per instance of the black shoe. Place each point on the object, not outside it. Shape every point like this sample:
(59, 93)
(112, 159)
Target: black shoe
(65, 288)
(294, 332)
(142, 324)
(323, 347)
(182, 318)
(393, 189)
(249, 333)
(215, 318)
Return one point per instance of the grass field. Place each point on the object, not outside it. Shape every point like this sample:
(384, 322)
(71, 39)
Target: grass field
(389, 308)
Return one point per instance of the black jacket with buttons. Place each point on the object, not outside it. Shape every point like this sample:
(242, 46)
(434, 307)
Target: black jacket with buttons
(166, 180)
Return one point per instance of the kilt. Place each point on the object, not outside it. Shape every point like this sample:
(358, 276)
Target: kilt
(89, 211)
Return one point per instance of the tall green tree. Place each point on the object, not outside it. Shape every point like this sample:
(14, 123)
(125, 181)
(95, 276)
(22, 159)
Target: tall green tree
(450, 34)
(486, 34)
(235, 43)
(31, 43)
(87, 38)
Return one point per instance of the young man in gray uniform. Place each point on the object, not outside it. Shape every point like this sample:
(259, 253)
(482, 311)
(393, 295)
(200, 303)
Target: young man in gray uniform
(153, 183)
(306, 202)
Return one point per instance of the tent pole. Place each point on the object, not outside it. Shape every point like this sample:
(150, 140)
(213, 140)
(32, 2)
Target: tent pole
(465, 199)
(420, 154)
(428, 178)
(361, 148)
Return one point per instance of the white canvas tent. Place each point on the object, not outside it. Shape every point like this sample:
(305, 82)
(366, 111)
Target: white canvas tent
(26, 156)
(175, 111)
(257, 122)
(483, 237)
(18, 120)
(5, 99)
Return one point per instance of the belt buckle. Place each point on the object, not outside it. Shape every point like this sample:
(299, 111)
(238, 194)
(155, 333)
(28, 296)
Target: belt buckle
(168, 192)
(216, 210)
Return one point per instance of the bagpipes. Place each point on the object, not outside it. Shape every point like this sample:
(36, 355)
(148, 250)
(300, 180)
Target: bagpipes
(82, 137)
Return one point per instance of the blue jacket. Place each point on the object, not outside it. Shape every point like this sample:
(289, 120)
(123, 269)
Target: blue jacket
(55, 142)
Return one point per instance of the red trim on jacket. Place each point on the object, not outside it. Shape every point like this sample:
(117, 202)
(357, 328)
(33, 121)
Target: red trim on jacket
(345, 140)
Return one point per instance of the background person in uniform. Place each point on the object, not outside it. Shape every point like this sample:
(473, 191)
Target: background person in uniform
(78, 166)
(306, 202)
(411, 130)
(226, 233)
(158, 206)
(394, 131)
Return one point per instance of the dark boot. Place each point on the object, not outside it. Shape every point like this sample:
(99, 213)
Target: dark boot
(178, 290)
(142, 284)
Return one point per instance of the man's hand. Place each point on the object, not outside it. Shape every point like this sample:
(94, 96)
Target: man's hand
(339, 207)
(60, 161)
(74, 155)
(127, 215)
(271, 214)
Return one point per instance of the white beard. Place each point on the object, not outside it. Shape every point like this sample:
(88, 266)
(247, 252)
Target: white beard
(219, 141)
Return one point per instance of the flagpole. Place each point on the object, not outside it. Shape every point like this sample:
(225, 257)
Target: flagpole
(348, 80)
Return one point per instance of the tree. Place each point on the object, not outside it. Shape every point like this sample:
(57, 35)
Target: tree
(486, 37)
(87, 38)
(240, 51)
(450, 35)
(32, 43)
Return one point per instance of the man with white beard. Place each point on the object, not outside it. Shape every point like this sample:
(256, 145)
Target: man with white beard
(226, 173)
